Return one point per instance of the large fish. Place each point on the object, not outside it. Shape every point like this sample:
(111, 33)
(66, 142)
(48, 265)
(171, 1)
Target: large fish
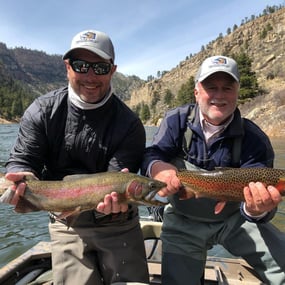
(78, 193)
(226, 184)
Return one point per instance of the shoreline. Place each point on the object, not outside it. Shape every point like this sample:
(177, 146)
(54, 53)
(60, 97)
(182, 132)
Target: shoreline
(6, 122)
(3, 121)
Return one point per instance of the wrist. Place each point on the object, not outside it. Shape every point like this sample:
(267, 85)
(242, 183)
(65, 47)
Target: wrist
(254, 215)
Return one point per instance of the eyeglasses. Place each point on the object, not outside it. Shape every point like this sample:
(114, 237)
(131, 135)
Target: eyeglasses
(82, 66)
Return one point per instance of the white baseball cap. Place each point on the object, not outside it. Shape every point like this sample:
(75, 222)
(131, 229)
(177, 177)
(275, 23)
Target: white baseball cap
(215, 64)
(94, 41)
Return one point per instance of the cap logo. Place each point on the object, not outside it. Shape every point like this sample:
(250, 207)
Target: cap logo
(219, 60)
(88, 36)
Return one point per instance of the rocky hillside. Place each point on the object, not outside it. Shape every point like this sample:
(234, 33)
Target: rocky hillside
(268, 111)
(263, 39)
(34, 69)
(42, 72)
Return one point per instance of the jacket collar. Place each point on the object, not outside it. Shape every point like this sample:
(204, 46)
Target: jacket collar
(78, 102)
(233, 129)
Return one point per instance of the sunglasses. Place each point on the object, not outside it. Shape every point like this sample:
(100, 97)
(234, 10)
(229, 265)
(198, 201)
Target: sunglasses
(82, 66)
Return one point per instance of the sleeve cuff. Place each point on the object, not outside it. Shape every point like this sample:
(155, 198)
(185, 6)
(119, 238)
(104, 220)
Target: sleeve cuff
(258, 217)
(148, 171)
(264, 217)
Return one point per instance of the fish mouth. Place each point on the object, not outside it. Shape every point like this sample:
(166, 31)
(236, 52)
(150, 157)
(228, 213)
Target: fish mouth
(153, 198)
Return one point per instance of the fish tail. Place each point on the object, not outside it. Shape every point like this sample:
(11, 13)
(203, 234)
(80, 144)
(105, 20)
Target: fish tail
(281, 186)
(4, 184)
(7, 196)
(23, 205)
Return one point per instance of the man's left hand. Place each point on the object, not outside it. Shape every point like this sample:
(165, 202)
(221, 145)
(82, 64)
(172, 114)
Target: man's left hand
(111, 204)
(260, 199)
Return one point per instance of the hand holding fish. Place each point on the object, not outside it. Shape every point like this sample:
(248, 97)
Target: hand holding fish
(260, 199)
(111, 203)
(18, 188)
(166, 172)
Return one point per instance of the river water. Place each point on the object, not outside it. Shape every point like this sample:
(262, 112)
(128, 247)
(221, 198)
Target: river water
(19, 232)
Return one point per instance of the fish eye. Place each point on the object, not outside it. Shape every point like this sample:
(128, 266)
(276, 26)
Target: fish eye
(152, 185)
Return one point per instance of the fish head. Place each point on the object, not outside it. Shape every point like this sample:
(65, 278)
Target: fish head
(143, 190)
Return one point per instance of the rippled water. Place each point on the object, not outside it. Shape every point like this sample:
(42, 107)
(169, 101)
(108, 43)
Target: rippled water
(20, 232)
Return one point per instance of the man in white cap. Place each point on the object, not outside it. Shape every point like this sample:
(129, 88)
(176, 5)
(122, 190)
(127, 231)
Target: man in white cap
(79, 129)
(220, 138)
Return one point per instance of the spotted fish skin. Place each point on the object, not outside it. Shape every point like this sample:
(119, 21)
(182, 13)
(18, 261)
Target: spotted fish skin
(227, 184)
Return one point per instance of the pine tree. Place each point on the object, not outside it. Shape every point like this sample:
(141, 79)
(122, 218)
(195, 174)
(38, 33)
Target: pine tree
(186, 93)
(248, 81)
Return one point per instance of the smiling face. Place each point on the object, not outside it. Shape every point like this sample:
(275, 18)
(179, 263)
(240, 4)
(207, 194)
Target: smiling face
(90, 87)
(217, 97)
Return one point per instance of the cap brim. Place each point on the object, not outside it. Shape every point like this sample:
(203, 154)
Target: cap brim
(94, 50)
(202, 78)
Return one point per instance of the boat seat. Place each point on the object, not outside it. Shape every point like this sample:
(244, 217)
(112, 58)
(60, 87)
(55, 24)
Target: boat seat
(150, 229)
(129, 283)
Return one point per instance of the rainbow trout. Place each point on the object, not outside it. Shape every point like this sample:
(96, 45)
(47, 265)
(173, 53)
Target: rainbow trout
(226, 184)
(78, 193)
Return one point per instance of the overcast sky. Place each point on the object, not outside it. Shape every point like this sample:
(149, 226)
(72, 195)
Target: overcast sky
(148, 35)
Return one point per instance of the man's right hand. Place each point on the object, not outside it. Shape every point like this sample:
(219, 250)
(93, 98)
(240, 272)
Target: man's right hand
(166, 173)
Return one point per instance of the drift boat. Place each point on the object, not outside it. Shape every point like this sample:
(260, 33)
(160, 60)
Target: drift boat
(34, 266)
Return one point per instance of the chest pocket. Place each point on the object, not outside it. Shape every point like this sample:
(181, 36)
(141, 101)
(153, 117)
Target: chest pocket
(86, 139)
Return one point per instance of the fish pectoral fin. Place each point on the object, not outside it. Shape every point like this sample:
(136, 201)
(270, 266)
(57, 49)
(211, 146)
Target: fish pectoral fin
(219, 207)
(185, 193)
(70, 216)
(25, 206)
(67, 214)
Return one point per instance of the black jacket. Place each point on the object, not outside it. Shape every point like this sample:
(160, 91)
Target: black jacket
(57, 139)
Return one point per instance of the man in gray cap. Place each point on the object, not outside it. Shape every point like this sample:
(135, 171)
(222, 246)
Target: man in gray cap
(79, 129)
(220, 138)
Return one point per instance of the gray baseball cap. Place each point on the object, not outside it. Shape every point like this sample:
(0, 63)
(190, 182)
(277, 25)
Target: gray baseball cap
(94, 41)
(215, 64)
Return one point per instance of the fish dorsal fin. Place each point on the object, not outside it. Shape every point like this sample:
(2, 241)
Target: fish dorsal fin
(223, 168)
(70, 217)
(75, 177)
(30, 178)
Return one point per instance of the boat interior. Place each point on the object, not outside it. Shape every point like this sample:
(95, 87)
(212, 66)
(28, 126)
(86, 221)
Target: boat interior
(34, 266)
